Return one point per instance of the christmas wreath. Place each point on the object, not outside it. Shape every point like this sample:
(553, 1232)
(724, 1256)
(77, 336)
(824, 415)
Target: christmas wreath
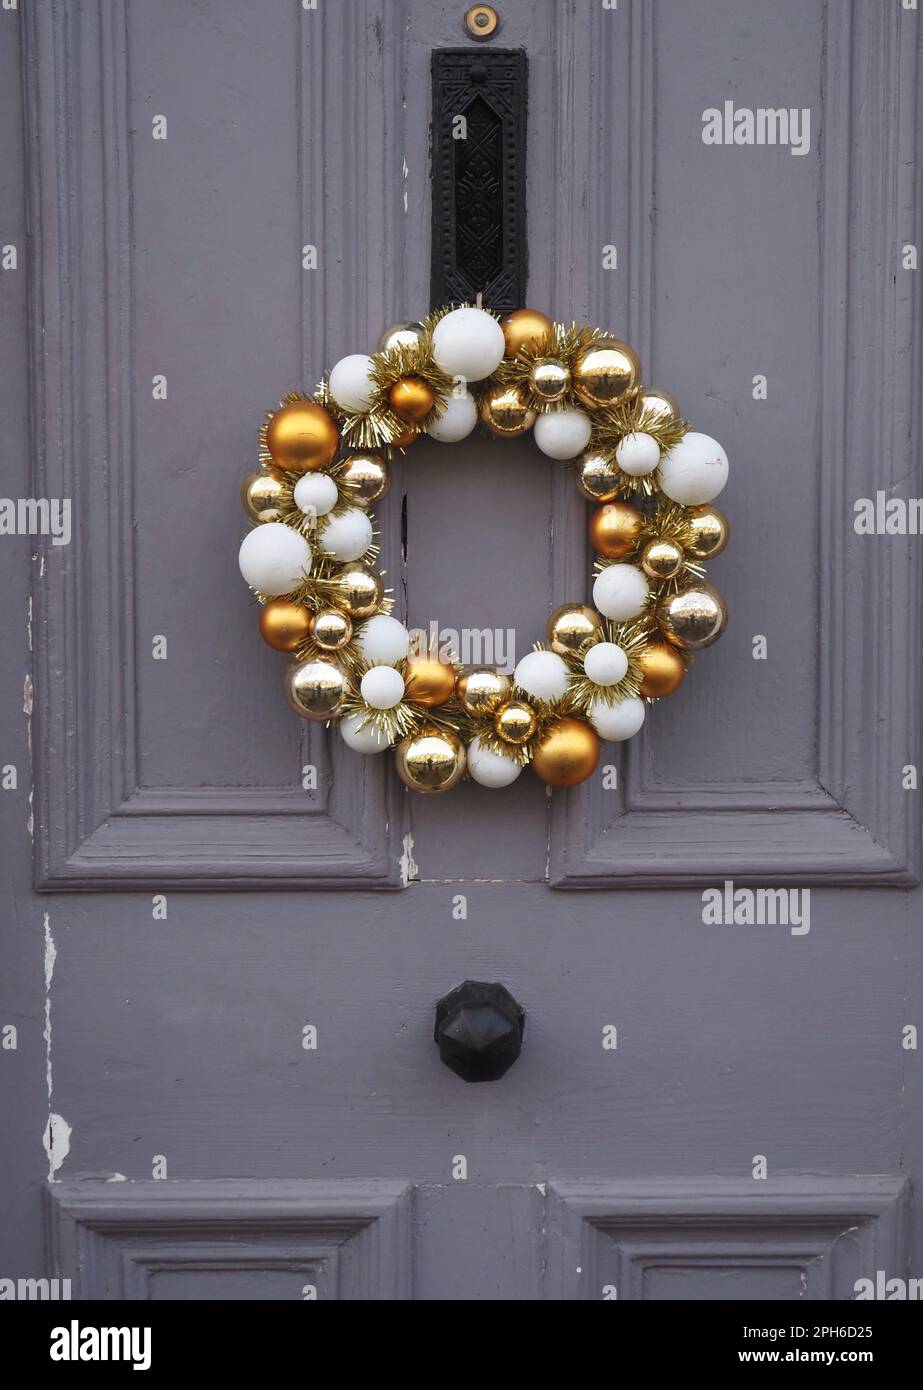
(310, 558)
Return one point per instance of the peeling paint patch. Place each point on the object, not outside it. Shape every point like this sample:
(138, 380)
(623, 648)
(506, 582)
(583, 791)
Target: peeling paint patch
(409, 868)
(57, 1142)
(117, 1177)
(27, 694)
(405, 171)
(29, 622)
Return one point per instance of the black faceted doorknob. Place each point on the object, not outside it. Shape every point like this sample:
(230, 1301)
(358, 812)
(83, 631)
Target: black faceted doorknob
(479, 1030)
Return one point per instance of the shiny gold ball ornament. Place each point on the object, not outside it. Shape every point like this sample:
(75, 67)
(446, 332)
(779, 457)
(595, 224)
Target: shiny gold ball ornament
(408, 435)
(606, 373)
(505, 412)
(261, 495)
(482, 691)
(709, 531)
(302, 436)
(430, 761)
(515, 722)
(284, 624)
(571, 626)
(693, 618)
(615, 528)
(598, 477)
(662, 559)
(525, 328)
(367, 478)
(662, 670)
(331, 629)
(429, 682)
(359, 590)
(566, 753)
(658, 405)
(406, 334)
(315, 689)
(549, 379)
(411, 399)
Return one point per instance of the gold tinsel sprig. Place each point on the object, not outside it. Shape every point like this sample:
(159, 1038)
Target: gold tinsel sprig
(323, 588)
(482, 726)
(613, 423)
(411, 360)
(632, 637)
(404, 718)
(560, 344)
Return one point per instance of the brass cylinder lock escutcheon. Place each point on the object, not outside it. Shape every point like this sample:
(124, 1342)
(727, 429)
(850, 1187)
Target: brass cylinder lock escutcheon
(482, 21)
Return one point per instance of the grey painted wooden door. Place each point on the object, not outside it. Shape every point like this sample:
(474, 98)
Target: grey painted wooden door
(701, 1111)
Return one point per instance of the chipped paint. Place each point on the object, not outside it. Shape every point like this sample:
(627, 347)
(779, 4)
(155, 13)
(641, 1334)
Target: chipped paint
(57, 1137)
(409, 868)
(57, 1142)
(405, 171)
(117, 1177)
(27, 694)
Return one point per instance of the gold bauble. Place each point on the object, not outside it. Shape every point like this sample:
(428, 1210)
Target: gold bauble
(411, 399)
(615, 528)
(662, 669)
(405, 334)
(429, 682)
(284, 624)
(662, 559)
(331, 629)
(261, 494)
(570, 626)
(302, 436)
(314, 689)
(359, 590)
(408, 435)
(432, 760)
(606, 373)
(483, 690)
(515, 722)
(566, 752)
(709, 529)
(598, 477)
(505, 412)
(550, 379)
(659, 404)
(525, 328)
(693, 618)
(367, 477)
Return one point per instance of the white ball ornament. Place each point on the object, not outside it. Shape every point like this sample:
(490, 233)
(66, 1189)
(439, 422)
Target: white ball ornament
(468, 343)
(614, 723)
(694, 471)
(315, 494)
(457, 420)
(382, 687)
(605, 663)
(273, 558)
(542, 674)
(384, 639)
(562, 434)
(490, 769)
(350, 382)
(620, 592)
(347, 536)
(367, 740)
(638, 454)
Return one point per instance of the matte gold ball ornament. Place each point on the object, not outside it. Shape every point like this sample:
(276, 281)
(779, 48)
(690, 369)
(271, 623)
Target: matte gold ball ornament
(430, 761)
(302, 436)
(606, 373)
(650, 477)
(571, 626)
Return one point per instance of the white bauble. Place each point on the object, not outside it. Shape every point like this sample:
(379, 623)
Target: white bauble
(490, 769)
(638, 455)
(617, 722)
(605, 663)
(468, 343)
(347, 536)
(382, 687)
(315, 494)
(351, 385)
(542, 674)
(384, 639)
(367, 740)
(695, 470)
(273, 558)
(457, 420)
(620, 592)
(562, 434)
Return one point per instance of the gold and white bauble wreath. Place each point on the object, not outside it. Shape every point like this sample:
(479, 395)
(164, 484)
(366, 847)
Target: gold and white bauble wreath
(311, 557)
